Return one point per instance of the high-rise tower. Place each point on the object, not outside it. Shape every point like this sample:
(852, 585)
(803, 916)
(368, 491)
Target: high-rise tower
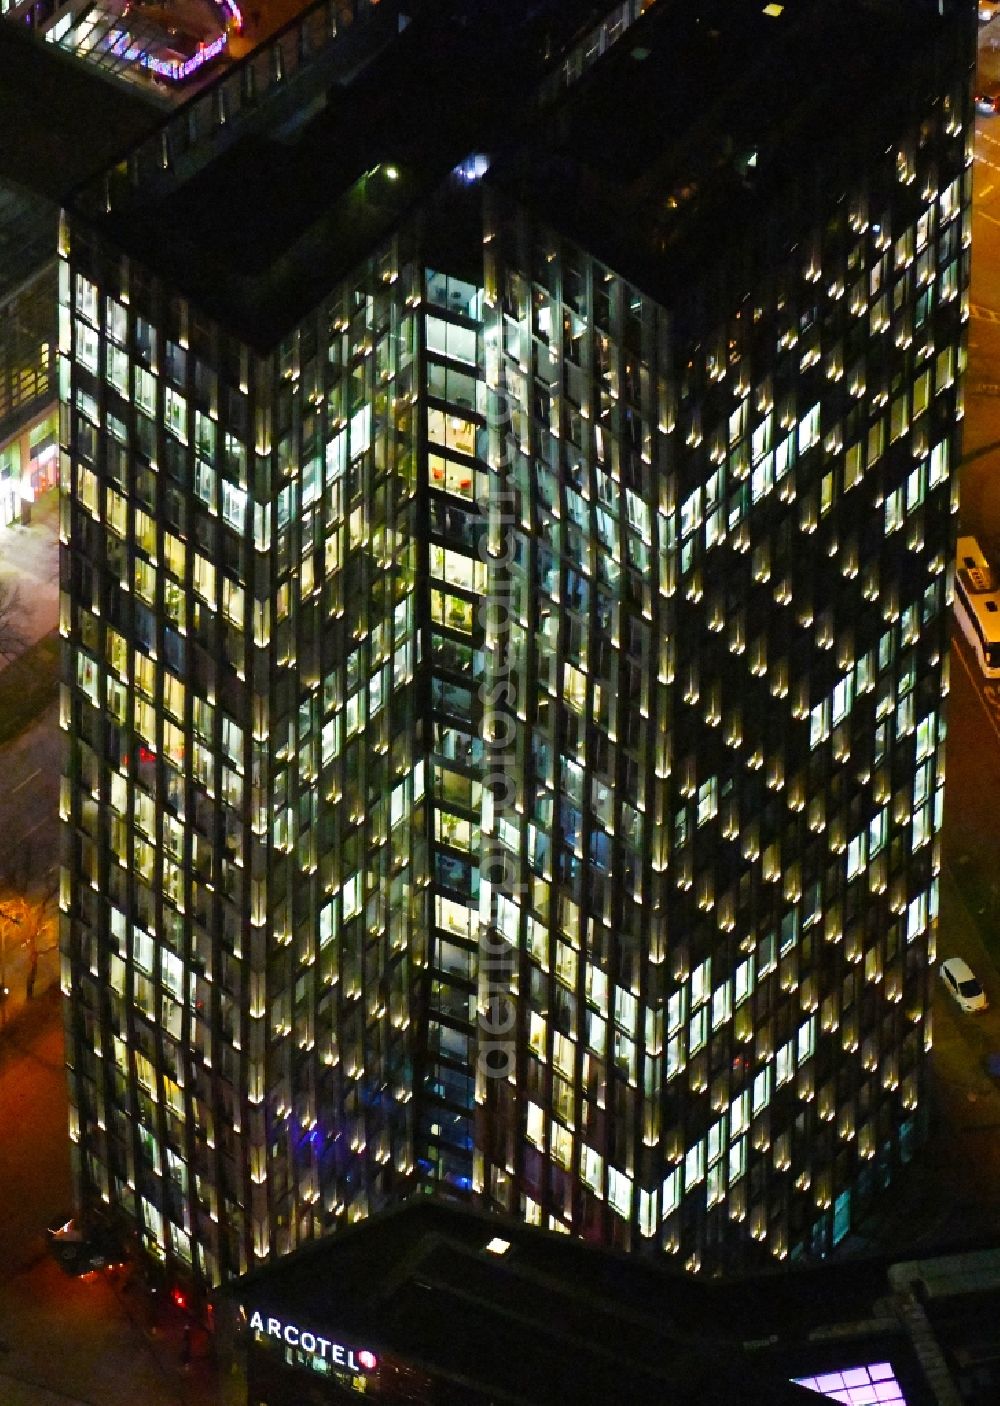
(507, 520)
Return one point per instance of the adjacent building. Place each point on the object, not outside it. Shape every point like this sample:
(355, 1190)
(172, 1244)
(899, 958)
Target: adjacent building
(435, 1303)
(70, 126)
(507, 518)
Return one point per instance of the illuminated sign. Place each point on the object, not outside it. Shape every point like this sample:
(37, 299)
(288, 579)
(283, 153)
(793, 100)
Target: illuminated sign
(353, 1359)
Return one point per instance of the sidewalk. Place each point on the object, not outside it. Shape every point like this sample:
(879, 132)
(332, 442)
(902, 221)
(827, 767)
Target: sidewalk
(97, 1340)
(29, 559)
(30, 762)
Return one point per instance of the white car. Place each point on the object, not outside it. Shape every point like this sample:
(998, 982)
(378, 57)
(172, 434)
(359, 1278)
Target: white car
(961, 983)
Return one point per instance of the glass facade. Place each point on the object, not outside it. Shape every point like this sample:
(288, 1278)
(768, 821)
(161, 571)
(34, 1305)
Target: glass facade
(726, 649)
(505, 730)
(245, 798)
(27, 360)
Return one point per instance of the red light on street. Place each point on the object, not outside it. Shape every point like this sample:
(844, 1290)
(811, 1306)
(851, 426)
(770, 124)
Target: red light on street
(179, 1299)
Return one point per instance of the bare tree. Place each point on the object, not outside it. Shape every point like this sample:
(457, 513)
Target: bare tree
(12, 613)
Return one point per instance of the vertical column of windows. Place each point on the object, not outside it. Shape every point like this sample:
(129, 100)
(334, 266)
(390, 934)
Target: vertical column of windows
(456, 417)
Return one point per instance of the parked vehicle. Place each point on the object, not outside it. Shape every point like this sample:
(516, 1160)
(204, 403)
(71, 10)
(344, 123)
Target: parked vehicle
(78, 1250)
(962, 985)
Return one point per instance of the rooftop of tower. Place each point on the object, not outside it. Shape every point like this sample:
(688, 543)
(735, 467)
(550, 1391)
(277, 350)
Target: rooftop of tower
(668, 143)
(259, 234)
(677, 143)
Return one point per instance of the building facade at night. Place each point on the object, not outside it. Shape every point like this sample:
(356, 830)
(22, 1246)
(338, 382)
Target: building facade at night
(505, 591)
(70, 125)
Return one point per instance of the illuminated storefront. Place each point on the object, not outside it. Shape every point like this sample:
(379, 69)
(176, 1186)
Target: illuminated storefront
(10, 485)
(29, 466)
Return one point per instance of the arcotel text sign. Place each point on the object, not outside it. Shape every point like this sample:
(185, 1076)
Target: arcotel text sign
(352, 1359)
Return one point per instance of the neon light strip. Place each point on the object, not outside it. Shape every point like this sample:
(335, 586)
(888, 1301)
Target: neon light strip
(234, 12)
(169, 68)
(177, 72)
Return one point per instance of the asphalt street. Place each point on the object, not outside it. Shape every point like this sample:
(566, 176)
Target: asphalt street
(29, 795)
(89, 1341)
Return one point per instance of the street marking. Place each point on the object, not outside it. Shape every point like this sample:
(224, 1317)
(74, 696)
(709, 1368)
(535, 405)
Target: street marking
(986, 190)
(46, 820)
(992, 218)
(985, 160)
(986, 314)
(36, 772)
(985, 137)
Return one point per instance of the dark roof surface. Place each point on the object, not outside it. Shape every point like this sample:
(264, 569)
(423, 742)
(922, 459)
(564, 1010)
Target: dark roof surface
(673, 144)
(28, 229)
(688, 131)
(262, 232)
(61, 121)
(549, 1319)
(555, 1319)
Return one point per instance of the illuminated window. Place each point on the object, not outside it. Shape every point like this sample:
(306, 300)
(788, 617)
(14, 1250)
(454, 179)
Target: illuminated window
(204, 579)
(939, 464)
(234, 505)
(145, 390)
(671, 1192)
(619, 1192)
(87, 344)
(698, 1030)
(762, 1090)
(809, 431)
(708, 800)
(87, 490)
(86, 298)
(701, 979)
(351, 897)
(88, 676)
(819, 723)
(744, 980)
(694, 1165)
(175, 413)
(722, 1005)
(856, 856)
